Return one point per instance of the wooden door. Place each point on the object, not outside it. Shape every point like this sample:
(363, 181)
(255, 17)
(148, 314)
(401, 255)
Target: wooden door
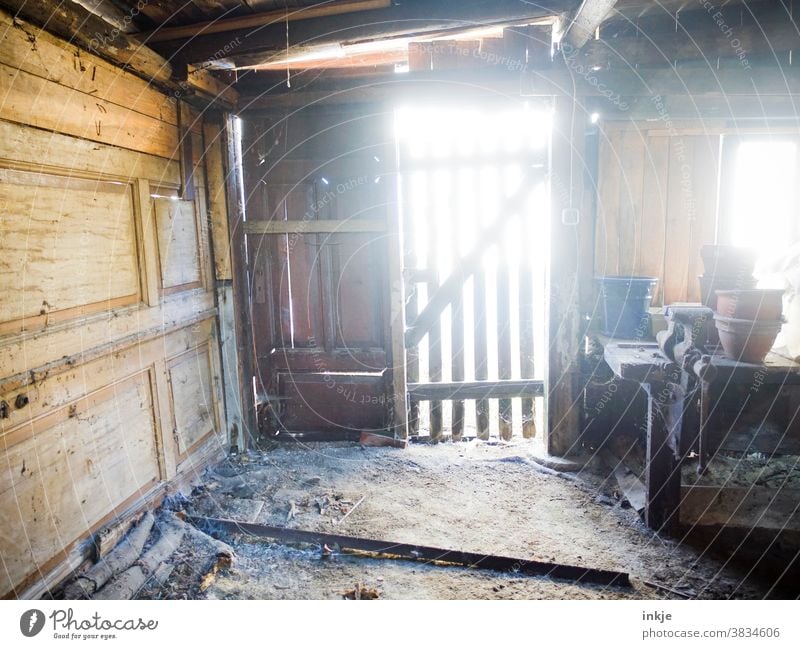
(317, 207)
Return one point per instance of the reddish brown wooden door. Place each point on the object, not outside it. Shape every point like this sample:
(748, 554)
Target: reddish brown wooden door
(316, 207)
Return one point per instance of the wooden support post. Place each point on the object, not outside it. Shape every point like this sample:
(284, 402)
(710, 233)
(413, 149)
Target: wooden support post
(504, 340)
(481, 348)
(663, 476)
(563, 414)
(397, 318)
(526, 347)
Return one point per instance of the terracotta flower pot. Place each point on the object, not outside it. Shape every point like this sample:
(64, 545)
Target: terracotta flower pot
(748, 341)
(710, 284)
(729, 261)
(752, 304)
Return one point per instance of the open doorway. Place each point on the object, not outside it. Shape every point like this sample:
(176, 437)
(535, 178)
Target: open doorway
(474, 207)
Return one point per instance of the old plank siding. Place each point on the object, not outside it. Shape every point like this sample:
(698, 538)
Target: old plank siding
(657, 204)
(25, 47)
(31, 148)
(29, 99)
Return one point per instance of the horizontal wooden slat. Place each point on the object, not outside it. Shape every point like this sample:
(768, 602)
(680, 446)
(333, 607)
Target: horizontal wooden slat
(326, 226)
(508, 388)
(29, 99)
(52, 58)
(42, 151)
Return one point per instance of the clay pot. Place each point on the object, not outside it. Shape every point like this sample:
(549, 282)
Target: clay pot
(710, 284)
(748, 341)
(752, 304)
(728, 261)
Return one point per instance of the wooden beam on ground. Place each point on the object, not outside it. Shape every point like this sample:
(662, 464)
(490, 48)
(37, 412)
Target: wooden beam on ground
(586, 21)
(83, 28)
(502, 389)
(262, 19)
(412, 552)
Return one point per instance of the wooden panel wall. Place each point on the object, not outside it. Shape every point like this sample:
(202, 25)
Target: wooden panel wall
(657, 204)
(110, 377)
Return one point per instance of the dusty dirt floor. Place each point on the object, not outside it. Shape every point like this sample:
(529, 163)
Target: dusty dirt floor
(478, 496)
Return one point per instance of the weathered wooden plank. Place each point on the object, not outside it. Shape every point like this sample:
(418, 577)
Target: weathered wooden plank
(479, 389)
(85, 269)
(321, 226)
(681, 218)
(503, 283)
(481, 343)
(80, 443)
(526, 328)
(31, 148)
(436, 329)
(652, 236)
(29, 99)
(631, 152)
(178, 244)
(78, 25)
(26, 47)
(217, 200)
(609, 182)
(194, 400)
(705, 173)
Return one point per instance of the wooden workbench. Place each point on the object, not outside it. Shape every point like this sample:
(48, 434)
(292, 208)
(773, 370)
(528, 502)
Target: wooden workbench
(661, 379)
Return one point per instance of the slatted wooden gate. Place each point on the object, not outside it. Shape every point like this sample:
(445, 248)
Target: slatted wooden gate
(474, 205)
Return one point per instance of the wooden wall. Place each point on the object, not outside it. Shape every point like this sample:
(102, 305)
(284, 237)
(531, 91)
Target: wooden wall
(110, 371)
(657, 203)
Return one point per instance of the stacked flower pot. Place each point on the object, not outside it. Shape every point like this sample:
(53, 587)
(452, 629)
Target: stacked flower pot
(747, 319)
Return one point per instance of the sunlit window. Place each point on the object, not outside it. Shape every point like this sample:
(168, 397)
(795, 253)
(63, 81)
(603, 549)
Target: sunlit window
(763, 213)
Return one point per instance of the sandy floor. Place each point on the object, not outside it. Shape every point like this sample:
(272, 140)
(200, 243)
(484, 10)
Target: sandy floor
(475, 496)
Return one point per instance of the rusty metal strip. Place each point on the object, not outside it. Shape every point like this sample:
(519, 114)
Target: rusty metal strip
(420, 552)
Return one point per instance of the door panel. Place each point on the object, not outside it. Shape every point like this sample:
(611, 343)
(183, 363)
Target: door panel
(319, 291)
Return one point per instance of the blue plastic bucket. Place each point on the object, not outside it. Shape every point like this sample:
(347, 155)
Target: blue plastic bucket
(625, 304)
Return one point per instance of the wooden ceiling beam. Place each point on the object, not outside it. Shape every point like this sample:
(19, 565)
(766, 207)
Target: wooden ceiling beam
(80, 26)
(412, 18)
(261, 20)
(586, 20)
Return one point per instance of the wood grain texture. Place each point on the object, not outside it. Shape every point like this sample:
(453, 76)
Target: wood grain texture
(25, 47)
(178, 245)
(657, 204)
(193, 400)
(80, 463)
(29, 99)
(65, 244)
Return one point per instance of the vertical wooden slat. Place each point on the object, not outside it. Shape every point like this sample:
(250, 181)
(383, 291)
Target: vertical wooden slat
(706, 174)
(654, 212)
(629, 215)
(457, 346)
(410, 295)
(526, 306)
(504, 340)
(607, 241)
(681, 210)
(481, 349)
(435, 333)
